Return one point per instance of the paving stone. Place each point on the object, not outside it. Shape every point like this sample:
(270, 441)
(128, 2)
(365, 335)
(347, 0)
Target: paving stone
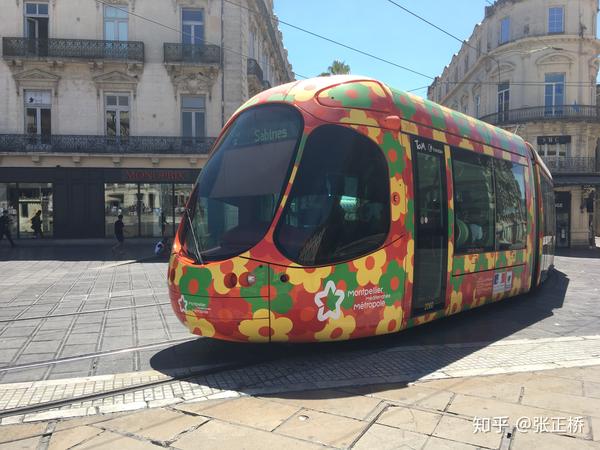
(110, 440)
(156, 424)
(331, 401)
(479, 387)
(435, 443)
(16, 432)
(323, 428)
(462, 430)
(415, 395)
(69, 438)
(546, 441)
(382, 438)
(226, 436)
(23, 444)
(410, 419)
(571, 404)
(254, 412)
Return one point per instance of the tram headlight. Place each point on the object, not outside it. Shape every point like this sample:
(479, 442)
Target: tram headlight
(230, 280)
(247, 279)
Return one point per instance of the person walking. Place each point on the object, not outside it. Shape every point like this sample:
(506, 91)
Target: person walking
(119, 234)
(36, 225)
(5, 227)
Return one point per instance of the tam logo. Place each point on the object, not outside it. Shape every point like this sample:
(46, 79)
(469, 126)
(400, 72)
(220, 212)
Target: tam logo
(321, 300)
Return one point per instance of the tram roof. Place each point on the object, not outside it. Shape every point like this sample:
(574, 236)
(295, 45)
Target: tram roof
(365, 101)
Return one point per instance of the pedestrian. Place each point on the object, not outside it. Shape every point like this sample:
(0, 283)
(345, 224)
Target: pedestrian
(36, 225)
(5, 227)
(161, 247)
(119, 234)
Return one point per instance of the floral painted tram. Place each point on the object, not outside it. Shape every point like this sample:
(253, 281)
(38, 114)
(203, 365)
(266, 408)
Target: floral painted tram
(338, 208)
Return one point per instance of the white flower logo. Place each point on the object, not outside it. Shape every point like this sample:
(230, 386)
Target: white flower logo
(182, 304)
(321, 298)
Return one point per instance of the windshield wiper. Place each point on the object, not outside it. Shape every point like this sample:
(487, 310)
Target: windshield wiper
(196, 244)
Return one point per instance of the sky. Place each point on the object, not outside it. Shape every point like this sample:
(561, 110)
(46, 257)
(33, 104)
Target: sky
(382, 29)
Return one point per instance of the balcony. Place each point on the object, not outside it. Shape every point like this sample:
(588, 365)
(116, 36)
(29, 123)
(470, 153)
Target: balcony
(589, 113)
(85, 49)
(192, 54)
(571, 164)
(136, 145)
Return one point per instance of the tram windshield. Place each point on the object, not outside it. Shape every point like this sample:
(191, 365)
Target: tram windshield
(241, 185)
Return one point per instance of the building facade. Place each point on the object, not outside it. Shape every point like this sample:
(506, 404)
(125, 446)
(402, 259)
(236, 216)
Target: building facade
(531, 67)
(110, 107)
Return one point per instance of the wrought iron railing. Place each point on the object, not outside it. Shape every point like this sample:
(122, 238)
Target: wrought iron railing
(192, 53)
(18, 143)
(17, 47)
(254, 69)
(571, 164)
(537, 113)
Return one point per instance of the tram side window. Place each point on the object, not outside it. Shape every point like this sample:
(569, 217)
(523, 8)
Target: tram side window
(511, 210)
(549, 209)
(473, 202)
(338, 208)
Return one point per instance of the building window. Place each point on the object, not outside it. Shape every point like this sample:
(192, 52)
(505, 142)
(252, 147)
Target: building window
(473, 202)
(338, 207)
(503, 101)
(466, 63)
(116, 27)
(193, 116)
(554, 94)
(552, 146)
(36, 20)
(511, 213)
(9, 202)
(477, 105)
(38, 114)
(192, 26)
(556, 20)
(117, 115)
(504, 30)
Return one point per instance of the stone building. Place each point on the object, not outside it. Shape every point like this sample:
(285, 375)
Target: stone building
(110, 106)
(530, 67)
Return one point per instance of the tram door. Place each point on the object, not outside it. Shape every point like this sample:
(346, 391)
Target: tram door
(431, 226)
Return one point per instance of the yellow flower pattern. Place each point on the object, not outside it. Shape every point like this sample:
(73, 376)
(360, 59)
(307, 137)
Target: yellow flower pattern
(370, 268)
(337, 330)
(311, 279)
(259, 329)
(392, 320)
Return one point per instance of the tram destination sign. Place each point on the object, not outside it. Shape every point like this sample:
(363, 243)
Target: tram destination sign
(427, 146)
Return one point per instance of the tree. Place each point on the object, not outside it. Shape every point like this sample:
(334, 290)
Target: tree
(337, 67)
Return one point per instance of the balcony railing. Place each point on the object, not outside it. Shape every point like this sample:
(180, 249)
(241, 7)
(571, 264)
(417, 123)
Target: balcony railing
(571, 164)
(538, 113)
(89, 49)
(20, 143)
(254, 69)
(192, 53)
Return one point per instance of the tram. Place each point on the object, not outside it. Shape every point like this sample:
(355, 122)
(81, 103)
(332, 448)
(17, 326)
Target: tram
(338, 208)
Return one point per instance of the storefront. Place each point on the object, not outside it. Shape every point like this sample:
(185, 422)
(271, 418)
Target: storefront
(85, 203)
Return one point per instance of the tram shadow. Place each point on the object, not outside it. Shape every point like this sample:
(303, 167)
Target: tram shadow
(379, 362)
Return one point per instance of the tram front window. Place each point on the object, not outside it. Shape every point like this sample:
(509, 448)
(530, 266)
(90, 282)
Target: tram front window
(241, 185)
(338, 208)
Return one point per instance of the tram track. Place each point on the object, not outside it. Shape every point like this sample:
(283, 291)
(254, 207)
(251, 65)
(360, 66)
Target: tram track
(68, 359)
(79, 313)
(193, 374)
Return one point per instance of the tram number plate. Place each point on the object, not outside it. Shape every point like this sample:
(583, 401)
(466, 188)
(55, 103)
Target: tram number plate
(428, 306)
